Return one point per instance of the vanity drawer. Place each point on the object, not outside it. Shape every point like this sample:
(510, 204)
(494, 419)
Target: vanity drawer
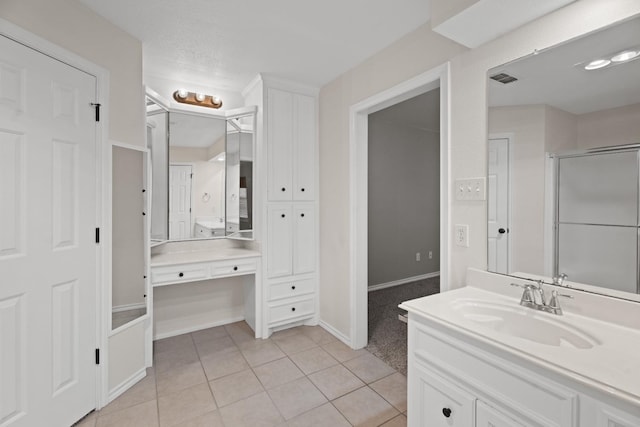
(232, 268)
(291, 310)
(179, 273)
(290, 289)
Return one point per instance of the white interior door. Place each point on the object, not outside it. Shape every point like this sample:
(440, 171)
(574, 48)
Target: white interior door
(498, 206)
(47, 244)
(179, 201)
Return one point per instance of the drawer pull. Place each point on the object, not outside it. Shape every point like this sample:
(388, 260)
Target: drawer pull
(180, 274)
(293, 309)
(446, 412)
(293, 288)
(235, 268)
(302, 215)
(284, 189)
(302, 189)
(282, 215)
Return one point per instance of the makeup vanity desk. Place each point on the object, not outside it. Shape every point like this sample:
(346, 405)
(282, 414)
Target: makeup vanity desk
(176, 263)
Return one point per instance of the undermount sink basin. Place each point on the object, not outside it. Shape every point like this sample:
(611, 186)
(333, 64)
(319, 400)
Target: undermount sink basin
(524, 323)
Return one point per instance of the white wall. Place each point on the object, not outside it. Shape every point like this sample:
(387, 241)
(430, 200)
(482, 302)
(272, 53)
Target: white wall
(617, 126)
(418, 52)
(76, 28)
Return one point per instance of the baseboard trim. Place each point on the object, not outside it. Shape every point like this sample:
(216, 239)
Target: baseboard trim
(336, 333)
(188, 330)
(402, 281)
(127, 384)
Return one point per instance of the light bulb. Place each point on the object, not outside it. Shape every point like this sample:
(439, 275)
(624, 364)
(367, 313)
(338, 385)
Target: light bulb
(200, 97)
(182, 93)
(627, 55)
(598, 63)
(215, 100)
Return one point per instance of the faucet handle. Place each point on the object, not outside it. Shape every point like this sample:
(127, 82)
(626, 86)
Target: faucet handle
(554, 303)
(527, 295)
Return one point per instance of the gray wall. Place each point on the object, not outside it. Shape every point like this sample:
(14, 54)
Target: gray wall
(404, 189)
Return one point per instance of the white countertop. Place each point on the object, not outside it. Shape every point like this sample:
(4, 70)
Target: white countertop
(188, 257)
(613, 366)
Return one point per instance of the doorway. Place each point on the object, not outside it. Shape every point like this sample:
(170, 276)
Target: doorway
(359, 113)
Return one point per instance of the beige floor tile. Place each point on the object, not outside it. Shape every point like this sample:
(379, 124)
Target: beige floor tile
(394, 389)
(174, 343)
(296, 397)
(170, 359)
(223, 364)
(255, 411)
(179, 378)
(296, 343)
(399, 421)
(235, 387)
(186, 404)
(218, 345)
(278, 372)
(342, 352)
(313, 360)
(143, 391)
(240, 332)
(286, 332)
(318, 334)
(210, 419)
(365, 408)
(209, 334)
(262, 353)
(323, 416)
(336, 381)
(369, 368)
(142, 415)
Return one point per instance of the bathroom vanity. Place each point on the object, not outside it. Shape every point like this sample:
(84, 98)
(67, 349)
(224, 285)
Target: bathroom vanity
(478, 358)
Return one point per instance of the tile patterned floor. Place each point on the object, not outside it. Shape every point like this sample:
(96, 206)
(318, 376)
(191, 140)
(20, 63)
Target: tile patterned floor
(223, 377)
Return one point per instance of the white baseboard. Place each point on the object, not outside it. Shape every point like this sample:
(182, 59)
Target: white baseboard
(402, 281)
(127, 384)
(336, 333)
(127, 307)
(169, 334)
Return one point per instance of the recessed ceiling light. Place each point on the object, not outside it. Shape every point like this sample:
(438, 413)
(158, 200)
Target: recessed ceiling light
(627, 55)
(598, 63)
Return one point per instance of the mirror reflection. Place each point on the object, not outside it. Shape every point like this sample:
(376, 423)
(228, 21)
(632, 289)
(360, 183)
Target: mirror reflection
(563, 163)
(196, 176)
(239, 193)
(158, 144)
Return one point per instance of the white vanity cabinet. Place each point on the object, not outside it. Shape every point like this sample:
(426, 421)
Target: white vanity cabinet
(291, 237)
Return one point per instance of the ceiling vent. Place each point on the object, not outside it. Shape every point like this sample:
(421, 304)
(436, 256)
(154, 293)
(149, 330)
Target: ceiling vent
(503, 78)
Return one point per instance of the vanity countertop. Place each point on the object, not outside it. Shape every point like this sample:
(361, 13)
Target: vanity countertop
(188, 257)
(611, 365)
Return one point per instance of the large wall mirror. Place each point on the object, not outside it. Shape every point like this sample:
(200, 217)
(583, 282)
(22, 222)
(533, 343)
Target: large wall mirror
(202, 173)
(563, 163)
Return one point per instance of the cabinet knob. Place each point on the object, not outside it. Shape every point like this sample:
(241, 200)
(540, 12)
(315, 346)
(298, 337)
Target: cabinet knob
(284, 189)
(293, 309)
(302, 215)
(282, 215)
(293, 288)
(235, 268)
(302, 189)
(180, 274)
(446, 412)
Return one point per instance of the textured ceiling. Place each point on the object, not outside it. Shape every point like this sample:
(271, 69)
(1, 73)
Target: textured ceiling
(224, 44)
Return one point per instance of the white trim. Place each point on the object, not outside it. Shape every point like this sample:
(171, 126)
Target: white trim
(358, 148)
(103, 250)
(549, 213)
(127, 307)
(115, 143)
(402, 281)
(197, 328)
(336, 333)
(127, 384)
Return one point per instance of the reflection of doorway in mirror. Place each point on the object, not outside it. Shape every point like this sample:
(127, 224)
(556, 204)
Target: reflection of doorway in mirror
(180, 201)
(498, 206)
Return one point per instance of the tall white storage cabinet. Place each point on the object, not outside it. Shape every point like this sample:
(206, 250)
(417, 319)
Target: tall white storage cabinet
(287, 147)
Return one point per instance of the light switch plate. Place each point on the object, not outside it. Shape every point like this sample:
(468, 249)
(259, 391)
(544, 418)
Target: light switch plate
(471, 189)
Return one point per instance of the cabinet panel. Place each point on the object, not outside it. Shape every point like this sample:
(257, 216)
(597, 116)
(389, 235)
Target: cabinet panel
(291, 310)
(179, 273)
(279, 240)
(279, 145)
(304, 162)
(439, 403)
(290, 289)
(304, 240)
(486, 416)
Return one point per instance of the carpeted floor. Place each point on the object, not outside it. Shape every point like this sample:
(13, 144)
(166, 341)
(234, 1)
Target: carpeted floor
(387, 334)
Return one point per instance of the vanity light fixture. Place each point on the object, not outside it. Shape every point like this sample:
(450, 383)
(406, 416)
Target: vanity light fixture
(198, 99)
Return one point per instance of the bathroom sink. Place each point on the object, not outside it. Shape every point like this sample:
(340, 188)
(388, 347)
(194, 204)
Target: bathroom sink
(524, 323)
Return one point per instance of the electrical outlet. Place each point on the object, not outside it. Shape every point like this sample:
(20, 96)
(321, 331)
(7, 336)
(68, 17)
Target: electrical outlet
(461, 236)
(430, 254)
(417, 256)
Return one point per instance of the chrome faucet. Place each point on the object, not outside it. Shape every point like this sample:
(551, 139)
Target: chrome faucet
(559, 279)
(533, 297)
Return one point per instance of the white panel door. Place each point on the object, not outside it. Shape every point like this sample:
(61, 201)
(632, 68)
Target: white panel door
(498, 206)
(304, 166)
(279, 238)
(486, 416)
(179, 201)
(279, 145)
(47, 239)
(304, 239)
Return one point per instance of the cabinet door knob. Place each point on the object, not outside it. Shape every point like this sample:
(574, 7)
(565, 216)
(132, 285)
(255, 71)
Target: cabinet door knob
(302, 215)
(180, 274)
(284, 189)
(293, 309)
(282, 215)
(293, 288)
(446, 412)
(302, 189)
(235, 268)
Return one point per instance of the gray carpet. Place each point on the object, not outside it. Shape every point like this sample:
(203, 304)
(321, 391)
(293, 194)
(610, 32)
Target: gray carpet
(387, 334)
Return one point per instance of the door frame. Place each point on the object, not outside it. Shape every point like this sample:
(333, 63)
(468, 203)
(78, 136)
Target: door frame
(358, 186)
(510, 137)
(103, 250)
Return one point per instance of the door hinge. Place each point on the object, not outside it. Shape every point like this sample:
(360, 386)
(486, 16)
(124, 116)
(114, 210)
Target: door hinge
(97, 356)
(97, 234)
(97, 107)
